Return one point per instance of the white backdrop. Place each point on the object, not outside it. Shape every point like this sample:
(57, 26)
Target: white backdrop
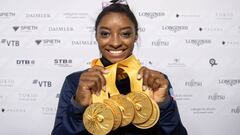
(195, 42)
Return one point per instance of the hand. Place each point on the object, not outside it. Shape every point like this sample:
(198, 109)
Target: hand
(91, 81)
(156, 82)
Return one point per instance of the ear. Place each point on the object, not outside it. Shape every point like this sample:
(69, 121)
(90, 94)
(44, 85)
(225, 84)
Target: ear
(136, 37)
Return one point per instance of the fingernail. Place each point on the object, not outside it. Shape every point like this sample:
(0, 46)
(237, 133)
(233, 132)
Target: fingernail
(106, 71)
(144, 87)
(98, 93)
(104, 88)
(139, 76)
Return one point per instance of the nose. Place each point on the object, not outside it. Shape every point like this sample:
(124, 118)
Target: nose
(115, 41)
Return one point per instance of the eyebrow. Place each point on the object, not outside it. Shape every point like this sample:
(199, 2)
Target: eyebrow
(127, 27)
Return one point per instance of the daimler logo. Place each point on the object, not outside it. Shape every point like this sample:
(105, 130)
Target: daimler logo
(10, 43)
(160, 42)
(60, 29)
(151, 15)
(47, 42)
(236, 110)
(63, 62)
(27, 28)
(84, 42)
(38, 15)
(193, 83)
(6, 15)
(229, 82)
(175, 28)
(216, 96)
(198, 42)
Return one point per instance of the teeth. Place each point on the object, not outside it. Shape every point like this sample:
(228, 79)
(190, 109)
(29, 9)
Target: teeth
(116, 52)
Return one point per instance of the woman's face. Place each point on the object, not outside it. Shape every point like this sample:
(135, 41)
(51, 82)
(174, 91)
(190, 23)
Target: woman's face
(116, 35)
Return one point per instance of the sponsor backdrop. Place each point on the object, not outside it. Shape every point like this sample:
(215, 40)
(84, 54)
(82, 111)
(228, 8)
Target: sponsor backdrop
(195, 42)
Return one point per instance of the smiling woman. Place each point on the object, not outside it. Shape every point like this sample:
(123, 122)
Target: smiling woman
(99, 100)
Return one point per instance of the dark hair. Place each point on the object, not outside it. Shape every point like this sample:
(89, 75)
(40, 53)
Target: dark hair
(117, 8)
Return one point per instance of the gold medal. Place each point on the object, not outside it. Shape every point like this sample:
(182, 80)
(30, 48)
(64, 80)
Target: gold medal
(116, 112)
(98, 119)
(153, 118)
(143, 106)
(126, 108)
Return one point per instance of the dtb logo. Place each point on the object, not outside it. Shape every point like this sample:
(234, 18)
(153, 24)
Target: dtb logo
(44, 84)
(10, 43)
(25, 62)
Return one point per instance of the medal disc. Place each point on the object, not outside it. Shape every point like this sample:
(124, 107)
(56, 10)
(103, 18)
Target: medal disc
(98, 119)
(126, 108)
(116, 112)
(142, 105)
(153, 118)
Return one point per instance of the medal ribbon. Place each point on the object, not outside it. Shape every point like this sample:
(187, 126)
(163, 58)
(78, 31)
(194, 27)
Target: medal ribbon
(130, 65)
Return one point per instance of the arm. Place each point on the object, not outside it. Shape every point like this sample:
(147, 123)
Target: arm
(68, 119)
(170, 121)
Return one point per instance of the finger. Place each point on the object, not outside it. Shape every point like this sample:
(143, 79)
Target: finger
(99, 76)
(140, 73)
(99, 68)
(156, 84)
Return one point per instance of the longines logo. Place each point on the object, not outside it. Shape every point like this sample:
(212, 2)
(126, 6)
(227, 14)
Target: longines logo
(224, 15)
(84, 42)
(49, 110)
(193, 83)
(6, 82)
(174, 28)
(13, 110)
(210, 29)
(160, 42)
(236, 110)
(176, 63)
(25, 62)
(75, 15)
(26, 28)
(60, 29)
(6, 15)
(38, 15)
(198, 42)
(42, 83)
(63, 62)
(47, 42)
(151, 15)
(10, 43)
(216, 96)
(229, 43)
(27, 96)
(229, 82)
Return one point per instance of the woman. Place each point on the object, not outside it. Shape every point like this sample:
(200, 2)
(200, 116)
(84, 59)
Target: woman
(116, 32)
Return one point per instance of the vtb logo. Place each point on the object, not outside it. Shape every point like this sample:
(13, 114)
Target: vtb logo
(42, 83)
(12, 43)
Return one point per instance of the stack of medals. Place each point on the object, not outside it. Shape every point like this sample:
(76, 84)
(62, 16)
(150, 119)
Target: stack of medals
(112, 110)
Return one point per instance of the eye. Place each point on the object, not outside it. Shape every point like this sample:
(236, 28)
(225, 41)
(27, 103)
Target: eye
(126, 34)
(104, 34)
